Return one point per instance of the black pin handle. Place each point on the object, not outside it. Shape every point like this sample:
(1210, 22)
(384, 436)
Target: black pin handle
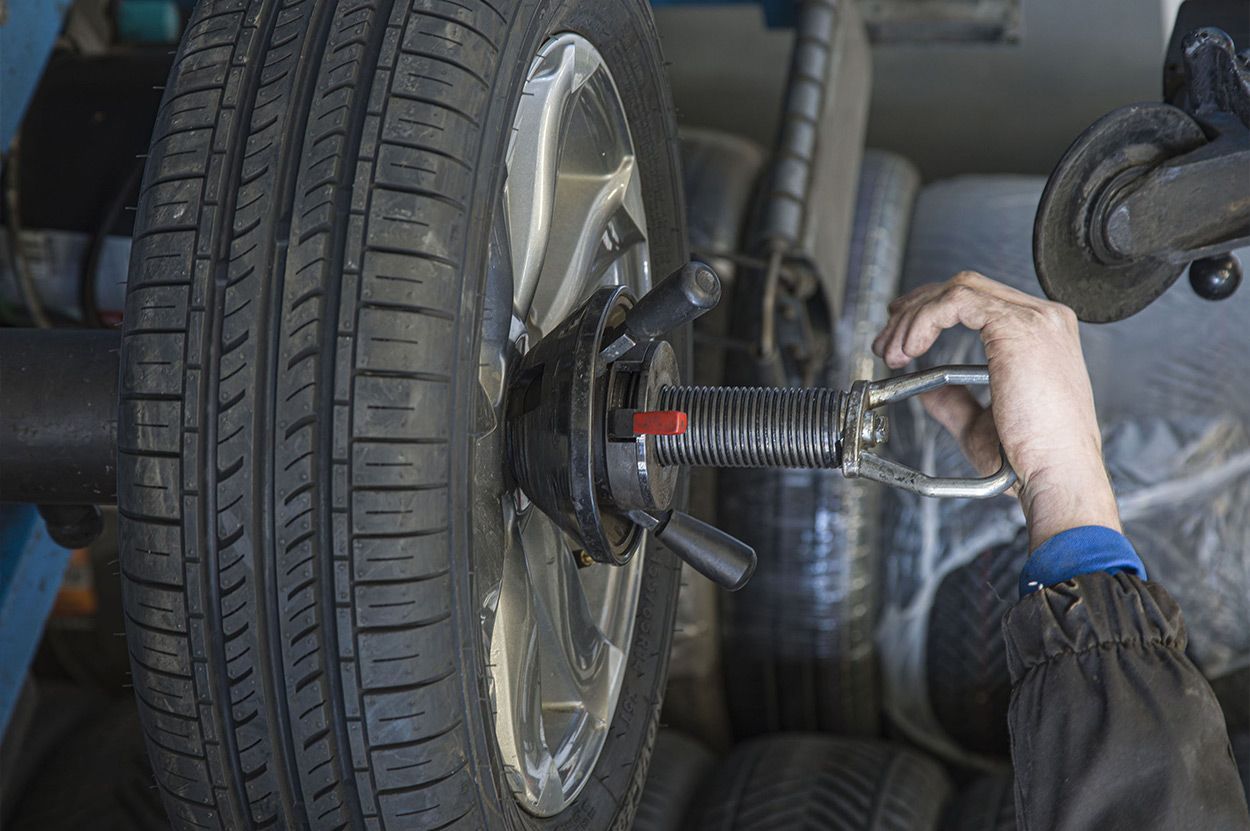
(678, 299)
(721, 558)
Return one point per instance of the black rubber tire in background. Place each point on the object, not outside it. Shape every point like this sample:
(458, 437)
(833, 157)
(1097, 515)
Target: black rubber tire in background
(965, 654)
(299, 373)
(96, 778)
(988, 803)
(793, 782)
(45, 715)
(799, 637)
(1241, 752)
(800, 649)
(719, 177)
(679, 767)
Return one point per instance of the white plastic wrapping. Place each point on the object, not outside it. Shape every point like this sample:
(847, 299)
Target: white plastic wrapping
(1173, 395)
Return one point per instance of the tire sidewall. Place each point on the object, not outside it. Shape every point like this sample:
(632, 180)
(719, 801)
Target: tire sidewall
(623, 31)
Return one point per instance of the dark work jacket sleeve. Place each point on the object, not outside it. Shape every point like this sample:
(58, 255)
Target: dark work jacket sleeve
(1112, 727)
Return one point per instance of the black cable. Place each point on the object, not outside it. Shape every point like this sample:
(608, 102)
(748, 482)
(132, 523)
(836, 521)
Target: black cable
(87, 299)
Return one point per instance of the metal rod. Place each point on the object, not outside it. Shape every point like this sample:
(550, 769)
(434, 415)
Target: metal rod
(768, 304)
(789, 181)
(58, 416)
(1198, 200)
(915, 383)
(794, 157)
(754, 427)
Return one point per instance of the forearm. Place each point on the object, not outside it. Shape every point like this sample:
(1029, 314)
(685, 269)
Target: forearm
(1073, 495)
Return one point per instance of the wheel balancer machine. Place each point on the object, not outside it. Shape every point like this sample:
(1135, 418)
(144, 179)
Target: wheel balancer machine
(599, 422)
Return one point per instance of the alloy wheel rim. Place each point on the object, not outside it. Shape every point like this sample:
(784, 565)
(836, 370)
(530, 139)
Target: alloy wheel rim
(556, 633)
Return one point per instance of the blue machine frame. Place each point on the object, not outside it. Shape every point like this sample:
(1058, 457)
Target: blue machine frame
(28, 31)
(31, 568)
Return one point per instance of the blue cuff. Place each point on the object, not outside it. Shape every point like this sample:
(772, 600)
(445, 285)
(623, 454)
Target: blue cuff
(1078, 551)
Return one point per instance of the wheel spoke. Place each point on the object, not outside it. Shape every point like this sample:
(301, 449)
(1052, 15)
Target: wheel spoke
(576, 652)
(579, 251)
(498, 320)
(516, 673)
(533, 162)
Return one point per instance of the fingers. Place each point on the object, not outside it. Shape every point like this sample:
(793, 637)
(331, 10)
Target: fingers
(916, 327)
(891, 349)
(972, 425)
(902, 310)
(981, 444)
(917, 318)
(955, 408)
(959, 304)
(903, 307)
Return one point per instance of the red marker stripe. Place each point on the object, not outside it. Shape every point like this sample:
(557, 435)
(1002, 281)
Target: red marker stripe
(660, 423)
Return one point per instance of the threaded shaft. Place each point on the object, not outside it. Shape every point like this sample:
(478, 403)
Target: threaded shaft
(753, 427)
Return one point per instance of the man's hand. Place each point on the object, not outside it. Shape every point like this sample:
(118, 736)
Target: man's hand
(1042, 408)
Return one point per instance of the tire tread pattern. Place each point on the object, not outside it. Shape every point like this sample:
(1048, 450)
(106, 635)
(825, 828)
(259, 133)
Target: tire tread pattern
(965, 655)
(309, 167)
(987, 804)
(798, 782)
(678, 769)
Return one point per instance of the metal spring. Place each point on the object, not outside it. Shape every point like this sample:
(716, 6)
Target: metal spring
(753, 427)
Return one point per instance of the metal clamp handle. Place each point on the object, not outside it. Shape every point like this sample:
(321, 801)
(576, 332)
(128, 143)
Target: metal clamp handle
(861, 430)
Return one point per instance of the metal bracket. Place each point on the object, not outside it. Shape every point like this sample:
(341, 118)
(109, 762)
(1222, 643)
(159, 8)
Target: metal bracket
(1150, 188)
(863, 429)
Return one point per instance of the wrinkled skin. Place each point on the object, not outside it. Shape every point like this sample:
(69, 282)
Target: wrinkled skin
(1042, 406)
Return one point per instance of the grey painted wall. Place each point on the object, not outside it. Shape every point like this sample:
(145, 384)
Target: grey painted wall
(951, 108)
(1016, 108)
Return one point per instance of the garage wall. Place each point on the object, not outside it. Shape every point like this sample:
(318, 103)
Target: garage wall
(955, 109)
(727, 68)
(951, 108)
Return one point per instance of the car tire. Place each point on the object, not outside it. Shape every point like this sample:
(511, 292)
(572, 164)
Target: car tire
(103, 764)
(802, 781)
(800, 642)
(965, 654)
(299, 533)
(679, 767)
(987, 804)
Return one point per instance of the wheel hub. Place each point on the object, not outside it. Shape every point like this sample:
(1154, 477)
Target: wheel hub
(1148, 190)
(569, 450)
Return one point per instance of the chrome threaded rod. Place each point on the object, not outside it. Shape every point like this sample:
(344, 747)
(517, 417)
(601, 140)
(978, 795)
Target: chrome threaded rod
(753, 427)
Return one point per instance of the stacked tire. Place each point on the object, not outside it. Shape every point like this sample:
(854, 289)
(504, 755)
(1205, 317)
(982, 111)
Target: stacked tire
(790, 782)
